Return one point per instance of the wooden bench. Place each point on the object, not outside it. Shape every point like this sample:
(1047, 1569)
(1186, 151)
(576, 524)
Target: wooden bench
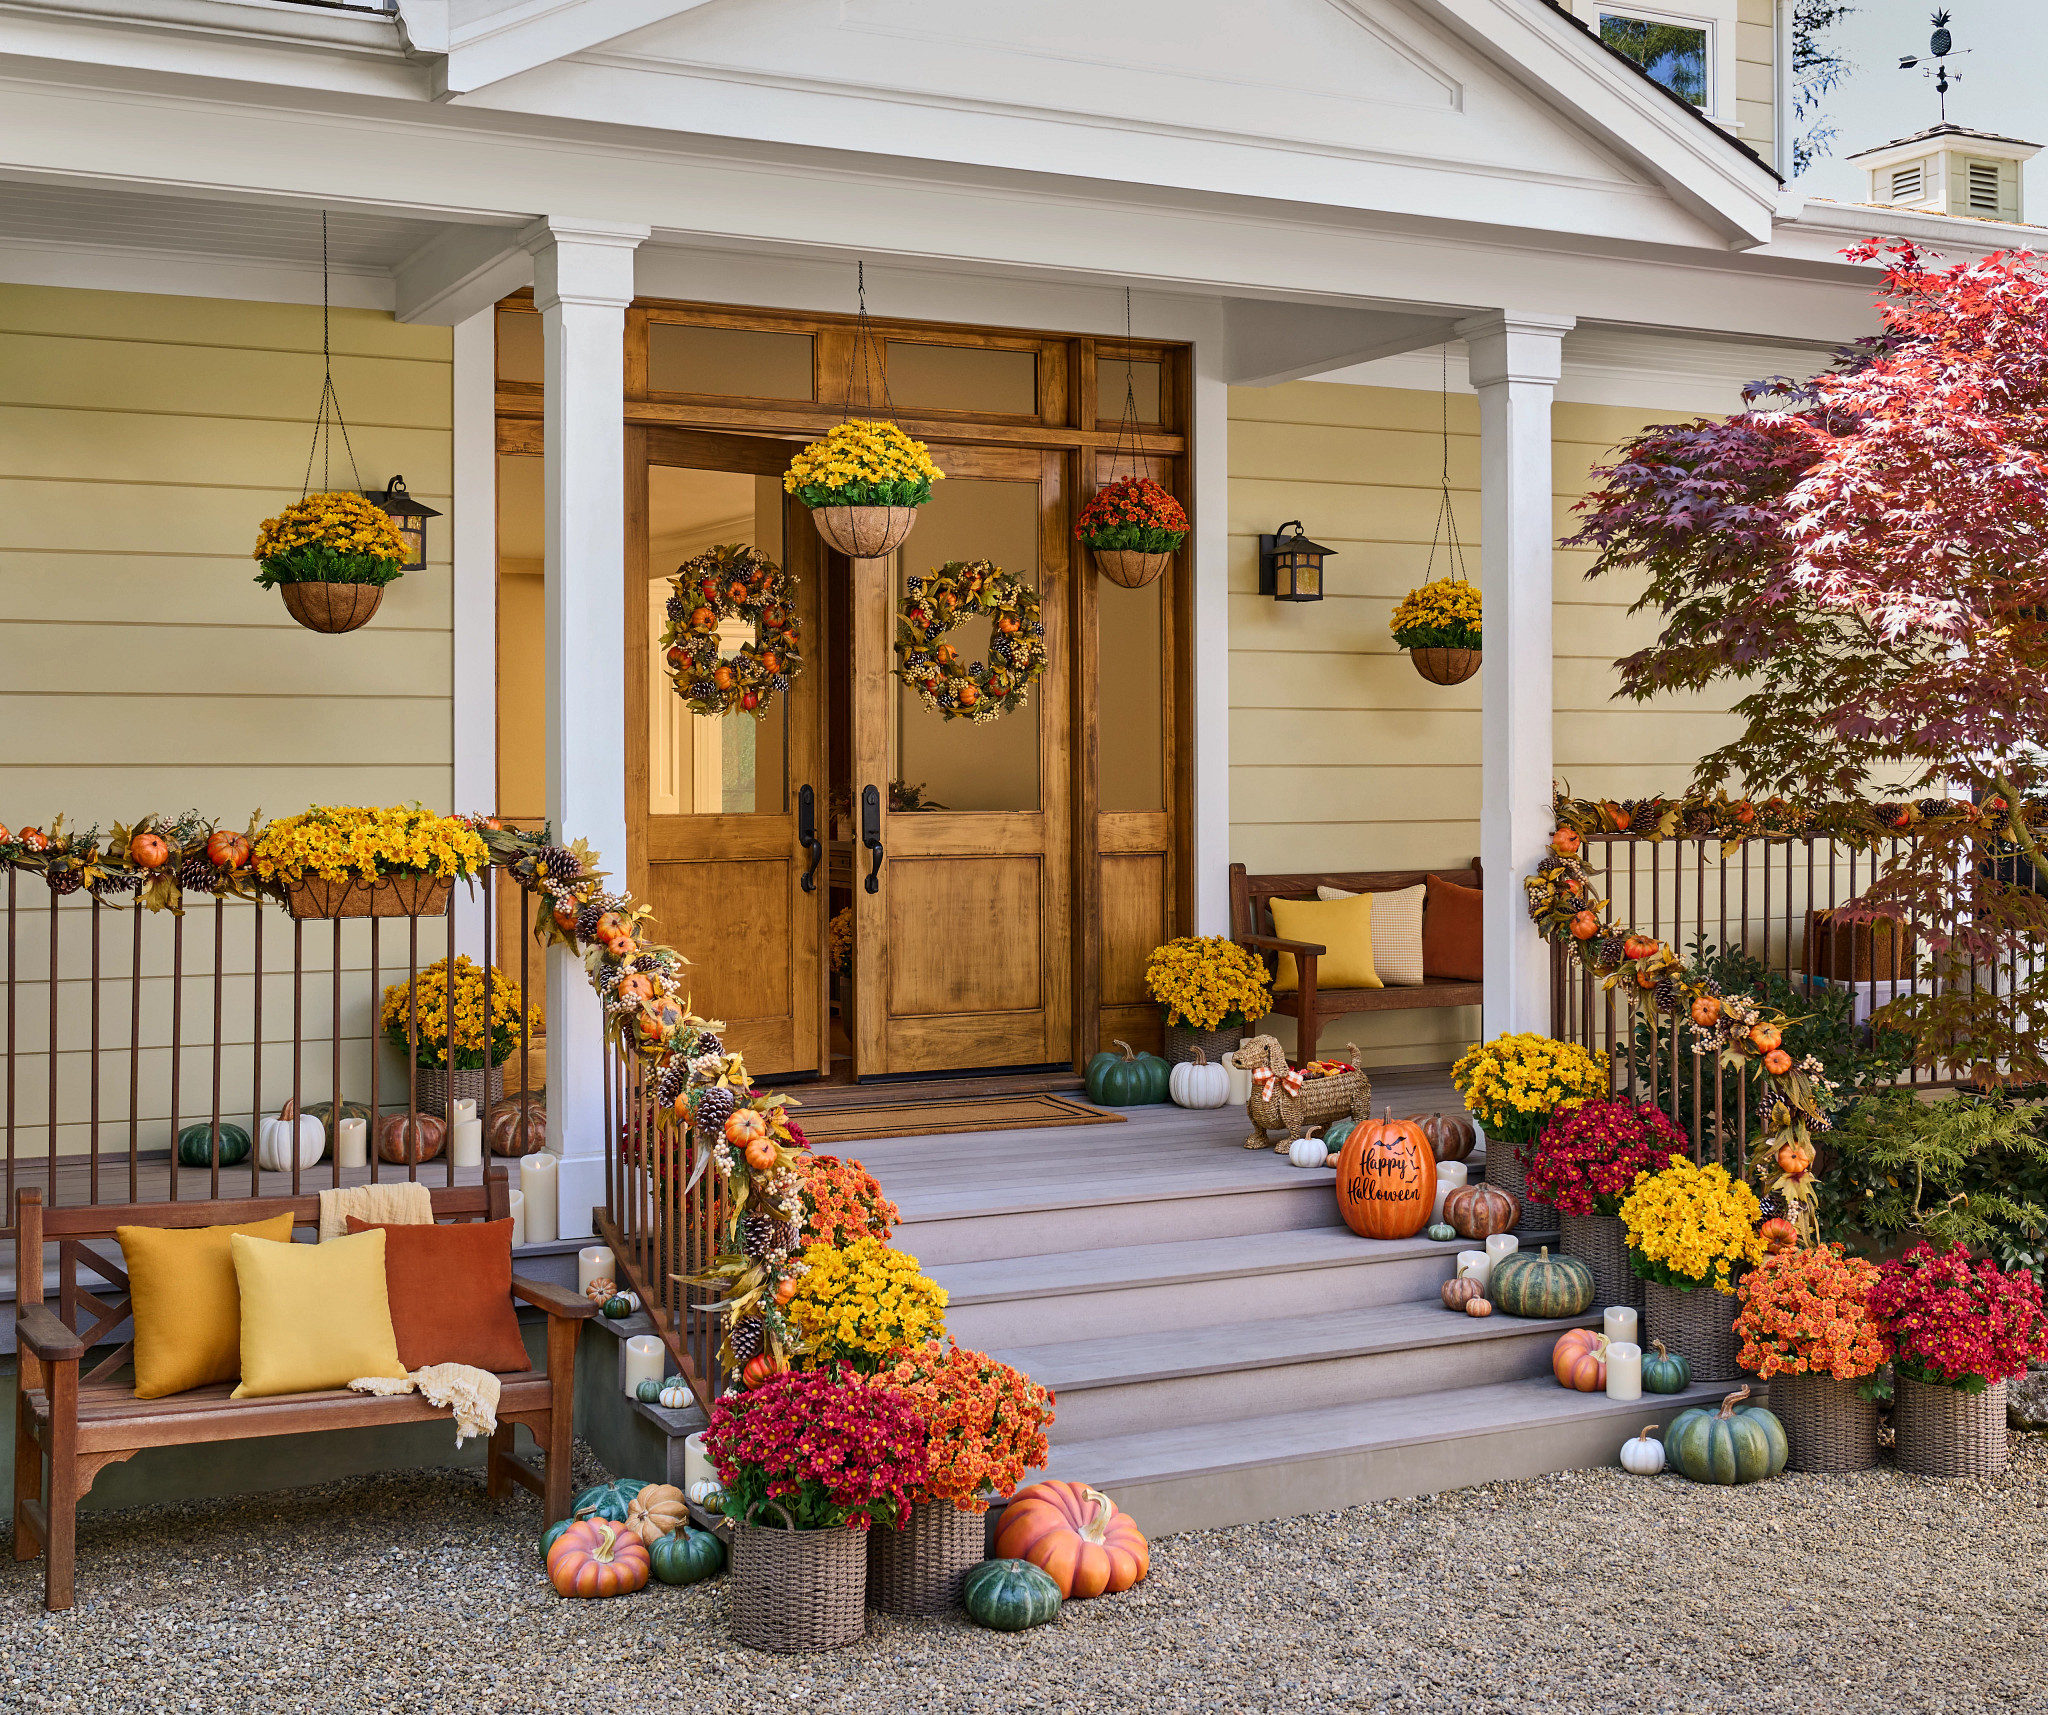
(82, 1424)
(1251, 926)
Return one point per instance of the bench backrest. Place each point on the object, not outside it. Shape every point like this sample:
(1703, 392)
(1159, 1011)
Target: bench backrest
(1251, 896)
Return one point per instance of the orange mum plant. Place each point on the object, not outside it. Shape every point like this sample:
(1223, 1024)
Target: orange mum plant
(843, 1201)
(984, 1422)
(1807, 1312)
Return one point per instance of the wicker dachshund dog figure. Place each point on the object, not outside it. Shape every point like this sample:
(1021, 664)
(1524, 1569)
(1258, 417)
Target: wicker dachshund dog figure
(1283, 1100)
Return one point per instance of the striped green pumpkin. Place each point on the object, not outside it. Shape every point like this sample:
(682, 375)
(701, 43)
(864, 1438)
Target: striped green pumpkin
(1010, 1596)
(1737, 1444)
(1542, 1285)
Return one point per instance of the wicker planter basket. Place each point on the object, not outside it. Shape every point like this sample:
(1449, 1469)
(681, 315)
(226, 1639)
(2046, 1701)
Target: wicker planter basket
(864, 532)
(1182, 1042)
(1698, 1325)
(796, 1590)
(1597, 1241)
(332, 608)
(440, 1088)
(1828, 1427)
(920, 1568)
(1445, 666)
(1943, 1433)
(387, 896)
(1539, 1220)
(1130, 568)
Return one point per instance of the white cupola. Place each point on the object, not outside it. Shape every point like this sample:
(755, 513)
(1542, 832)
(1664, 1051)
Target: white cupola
(1950, 169)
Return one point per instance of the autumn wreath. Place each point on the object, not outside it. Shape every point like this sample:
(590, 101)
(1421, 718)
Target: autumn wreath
(732, 581)
(933, 606)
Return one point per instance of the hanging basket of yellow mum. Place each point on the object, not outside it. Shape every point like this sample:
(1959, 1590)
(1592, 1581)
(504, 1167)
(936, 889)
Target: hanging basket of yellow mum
(1438, 624)
(863, 483)
(330, 556)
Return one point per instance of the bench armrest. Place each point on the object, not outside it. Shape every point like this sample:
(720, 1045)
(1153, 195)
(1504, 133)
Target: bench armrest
(1298, 948)
(555, 1300)
(39, 1328)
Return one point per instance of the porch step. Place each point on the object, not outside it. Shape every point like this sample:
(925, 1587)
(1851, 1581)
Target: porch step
(1203, 1476)
(1123, 1383)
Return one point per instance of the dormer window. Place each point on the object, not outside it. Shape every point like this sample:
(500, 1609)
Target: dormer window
(1673, 53)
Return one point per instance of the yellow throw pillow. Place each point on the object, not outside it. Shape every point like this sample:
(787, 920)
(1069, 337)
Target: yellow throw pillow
(187, 1309)
(313, 1316)
(1396, 933)
(1342, 925)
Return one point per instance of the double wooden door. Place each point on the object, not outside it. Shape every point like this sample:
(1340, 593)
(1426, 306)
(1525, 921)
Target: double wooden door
(950, 839)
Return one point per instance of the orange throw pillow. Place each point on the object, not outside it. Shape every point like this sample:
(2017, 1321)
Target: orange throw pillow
(451, 1294)
(1452, 944)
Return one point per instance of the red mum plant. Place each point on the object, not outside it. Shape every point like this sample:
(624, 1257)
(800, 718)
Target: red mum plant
(984, 1422)
(830, 1452)
(1808, 1313)
(1589, 1157)
(1133, 513)
(843, 1202)
(1960, 1324)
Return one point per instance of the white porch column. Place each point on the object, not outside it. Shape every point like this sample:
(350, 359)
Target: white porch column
(582, 283)
(1514, 361)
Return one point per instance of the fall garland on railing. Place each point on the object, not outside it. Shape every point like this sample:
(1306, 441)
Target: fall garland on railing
(1861, 823)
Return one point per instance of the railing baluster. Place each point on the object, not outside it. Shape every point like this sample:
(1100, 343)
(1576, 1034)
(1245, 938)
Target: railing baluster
(334, 1089)
(220, 946)
(52, 1193)
(448, 992)
(7, 1218)
(93, 1071)
(298, 1046)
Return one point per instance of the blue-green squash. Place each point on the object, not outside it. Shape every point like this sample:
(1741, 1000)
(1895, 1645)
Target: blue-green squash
(1665, 1372)
(324, 1113)
(607, 1500)
(195, 1145)
(1540, 1286)
(547, 1537)
(1737, 1444)
(687, 1556)
(1127, 1080)
(1010, 1596)
(648, 1391)
(1337, 1132)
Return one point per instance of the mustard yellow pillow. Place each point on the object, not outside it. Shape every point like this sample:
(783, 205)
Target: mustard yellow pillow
(1342, 925)
(187, 1309)
(313, 1316)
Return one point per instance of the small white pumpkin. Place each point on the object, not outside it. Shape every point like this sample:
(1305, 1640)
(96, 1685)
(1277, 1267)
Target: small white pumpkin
(1308, 1152)
(1199, 1083)
(707, 1492)
(675, 1395)
(274, 1150)
(1643, 1455)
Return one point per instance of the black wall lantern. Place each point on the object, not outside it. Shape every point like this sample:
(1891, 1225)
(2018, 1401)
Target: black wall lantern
(409, 519)
(1291, 567)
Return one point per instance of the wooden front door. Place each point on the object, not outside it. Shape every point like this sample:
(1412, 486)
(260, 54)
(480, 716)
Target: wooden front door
(717, 808)
(962, 910)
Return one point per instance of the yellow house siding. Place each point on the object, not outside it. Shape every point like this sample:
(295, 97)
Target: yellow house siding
(1756, 78)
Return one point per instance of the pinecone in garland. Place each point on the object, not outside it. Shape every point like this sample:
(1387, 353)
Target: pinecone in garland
(561, 863)
(745, 1339)
(120, 881)
(66, 880)
(715, 1107)
(1668, 995)
(792, 1236)
(586, 922)
(1613, 949)
(674, 1079)
(759, 1233)
(1934, 806)
(197, 875)
(646, 962)
(710, 1044)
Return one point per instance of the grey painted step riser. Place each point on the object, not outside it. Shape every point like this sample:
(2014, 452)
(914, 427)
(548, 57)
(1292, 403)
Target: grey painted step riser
(1196, 1303)
(1039, 1232)
(1126, 1408)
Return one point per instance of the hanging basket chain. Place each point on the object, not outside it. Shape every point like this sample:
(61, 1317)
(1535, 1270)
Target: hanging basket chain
(328, 417)
(867, 347)
(1446, 530)
(1128, 423)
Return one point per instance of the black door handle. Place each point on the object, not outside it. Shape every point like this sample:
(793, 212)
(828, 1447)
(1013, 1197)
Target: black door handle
(807, 835)
(871, 832)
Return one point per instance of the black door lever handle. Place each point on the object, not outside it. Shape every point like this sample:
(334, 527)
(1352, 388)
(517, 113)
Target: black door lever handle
(807, 836)
(871, 833)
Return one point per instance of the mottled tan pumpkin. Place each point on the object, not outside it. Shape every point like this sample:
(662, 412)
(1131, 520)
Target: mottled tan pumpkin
(1459, 1293)
(1477, 1210)
(655, 1511)
(1451, 1136)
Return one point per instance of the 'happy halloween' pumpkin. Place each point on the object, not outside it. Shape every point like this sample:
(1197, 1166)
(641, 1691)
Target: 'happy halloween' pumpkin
(1386, 1179)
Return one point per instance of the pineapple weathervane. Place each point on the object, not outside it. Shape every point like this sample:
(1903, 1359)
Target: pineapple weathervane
(1941, 48)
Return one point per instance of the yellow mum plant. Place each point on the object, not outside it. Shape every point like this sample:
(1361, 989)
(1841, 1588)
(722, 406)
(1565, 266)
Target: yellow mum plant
(863, 462)
(1691, 1226)
(1513, 1084)
(864, 1305)
(1208, 983)
(341, 843)
(472, 1043)
(336, 538)
(1439, 615)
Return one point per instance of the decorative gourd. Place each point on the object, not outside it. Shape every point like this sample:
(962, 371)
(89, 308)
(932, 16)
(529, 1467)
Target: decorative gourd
(274, 1150)
(1010, 1596)
(548, 1536)
(744, 1126)
(1127, 1080)
(409, 1137)
(1459, 1293)
(1579, 1360)
(675, 1395)
(1451, 1136)
(648, 1391)
(1198, 1083)
(1643, 1455)
(1737, 1444)
(1442, 1231)
(656, 1510)
(1337, 1131)
(621, 1305)
(1541, 1285)
(601, 1288)
(195, 1145)
(1479, 1307)
(1665, 1372)
(707, 1492)
(1076, 1536)
(517, 1126)
(324, 1113)
(1386, 1179)
(607, 1500)
(595, 1557)
(1476, 1210)
(686, 1556)
(763, 1367)
(1309, 1152)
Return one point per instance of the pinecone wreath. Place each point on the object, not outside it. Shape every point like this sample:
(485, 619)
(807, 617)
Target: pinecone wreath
(746, 1339)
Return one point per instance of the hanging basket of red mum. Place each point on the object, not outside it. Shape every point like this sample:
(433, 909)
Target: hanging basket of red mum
(1134, 528)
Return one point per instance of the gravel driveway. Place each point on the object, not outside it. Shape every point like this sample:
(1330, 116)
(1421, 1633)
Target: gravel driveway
(1589, 1592)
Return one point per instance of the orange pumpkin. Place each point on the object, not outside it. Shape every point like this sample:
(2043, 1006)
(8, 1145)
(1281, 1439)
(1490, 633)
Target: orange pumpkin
(1765, 1036)
(761, 1154)
(1478, 1307)
(1638, 947)
(1794, 1158)
(1646, 978)
(763, 1367)
(146, 851)
(595, 1557)
(1579, 1360)
(1706, 1011)
(1565, 842)
(743, 1125)
(1386, 1179)
(1451, 1136)
(638, 987)
(1777, 1062)
(1476, 1210)
(785, 1289)
(610, 926)
(34, 838)
(622, 948)
(1076, 1536)
(1585, 926)
(565, 919)
(1778, 1233)
(227, 849)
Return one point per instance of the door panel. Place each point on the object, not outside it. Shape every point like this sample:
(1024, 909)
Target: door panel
(988, 958)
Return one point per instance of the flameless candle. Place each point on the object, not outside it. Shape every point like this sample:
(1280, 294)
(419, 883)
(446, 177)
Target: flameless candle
(1624, 1370)
(1475, 1265)
(1620, 1324)
(537, 1178)
(1449, 1176)
(595, 1262)
(1240, 1080)
(464, 1108)
(518, 1218)
(355, 1143)
(466, 1141)
(644, 1357)
(696, 1462)
(1499, 1245)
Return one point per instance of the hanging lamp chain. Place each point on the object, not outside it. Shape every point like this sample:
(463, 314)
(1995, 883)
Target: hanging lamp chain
(1446, 531)
(327, 419)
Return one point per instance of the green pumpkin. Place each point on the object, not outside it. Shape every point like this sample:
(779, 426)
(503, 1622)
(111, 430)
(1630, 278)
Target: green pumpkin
(1335, 1135)
(687, 1556)
(195, 1145)
(1127, 1080)
(607, 1500)
(324, 1113)
(648, 1391)
(1443, 1232)
(1542, 1285)
(547, 1538)
(1665, 1372)
(1737, 1444)
(1010, 1596)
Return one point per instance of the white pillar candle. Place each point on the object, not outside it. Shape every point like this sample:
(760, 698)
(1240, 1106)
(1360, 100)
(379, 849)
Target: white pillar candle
(1449, 1176)
(354, 1148)
(645, 1356)
(1240, 1080)
(1499, 1245)
(518, 1218)
(1625, 1371)
(1475, 1265)
(1620, 1324)
(464, 1108)
(595, 1262)
(466, 1140)
(696, 1462)
(538, 1179)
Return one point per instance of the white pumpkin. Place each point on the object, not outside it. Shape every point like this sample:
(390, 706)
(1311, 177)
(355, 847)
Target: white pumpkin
(707, 1492)
(1199, 1083)
(1308, 1152)
(1643, 1455)
(274, 1149)
(675, 1395)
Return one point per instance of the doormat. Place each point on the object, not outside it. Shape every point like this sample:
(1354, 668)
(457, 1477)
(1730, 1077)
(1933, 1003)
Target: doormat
(932, 1115)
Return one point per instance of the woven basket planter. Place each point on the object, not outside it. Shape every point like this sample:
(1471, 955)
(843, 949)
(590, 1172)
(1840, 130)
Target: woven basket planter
(1445, 666)
(864, 532)
(440, 1089)
(1698, 1325)
(1597, 1241)
(387, 896)
(1828, 1427)
(1182, 1042)
(332, 608)
(1539, 1220)
(920, 1568)
(1130, 568)
(797, 1590)
(1943, 1433)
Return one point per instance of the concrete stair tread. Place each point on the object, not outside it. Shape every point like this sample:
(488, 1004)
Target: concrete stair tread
(1122, 1360)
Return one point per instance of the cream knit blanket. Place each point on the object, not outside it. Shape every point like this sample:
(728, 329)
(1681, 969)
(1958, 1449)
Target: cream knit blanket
(472, 1394)
(398, 1202)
